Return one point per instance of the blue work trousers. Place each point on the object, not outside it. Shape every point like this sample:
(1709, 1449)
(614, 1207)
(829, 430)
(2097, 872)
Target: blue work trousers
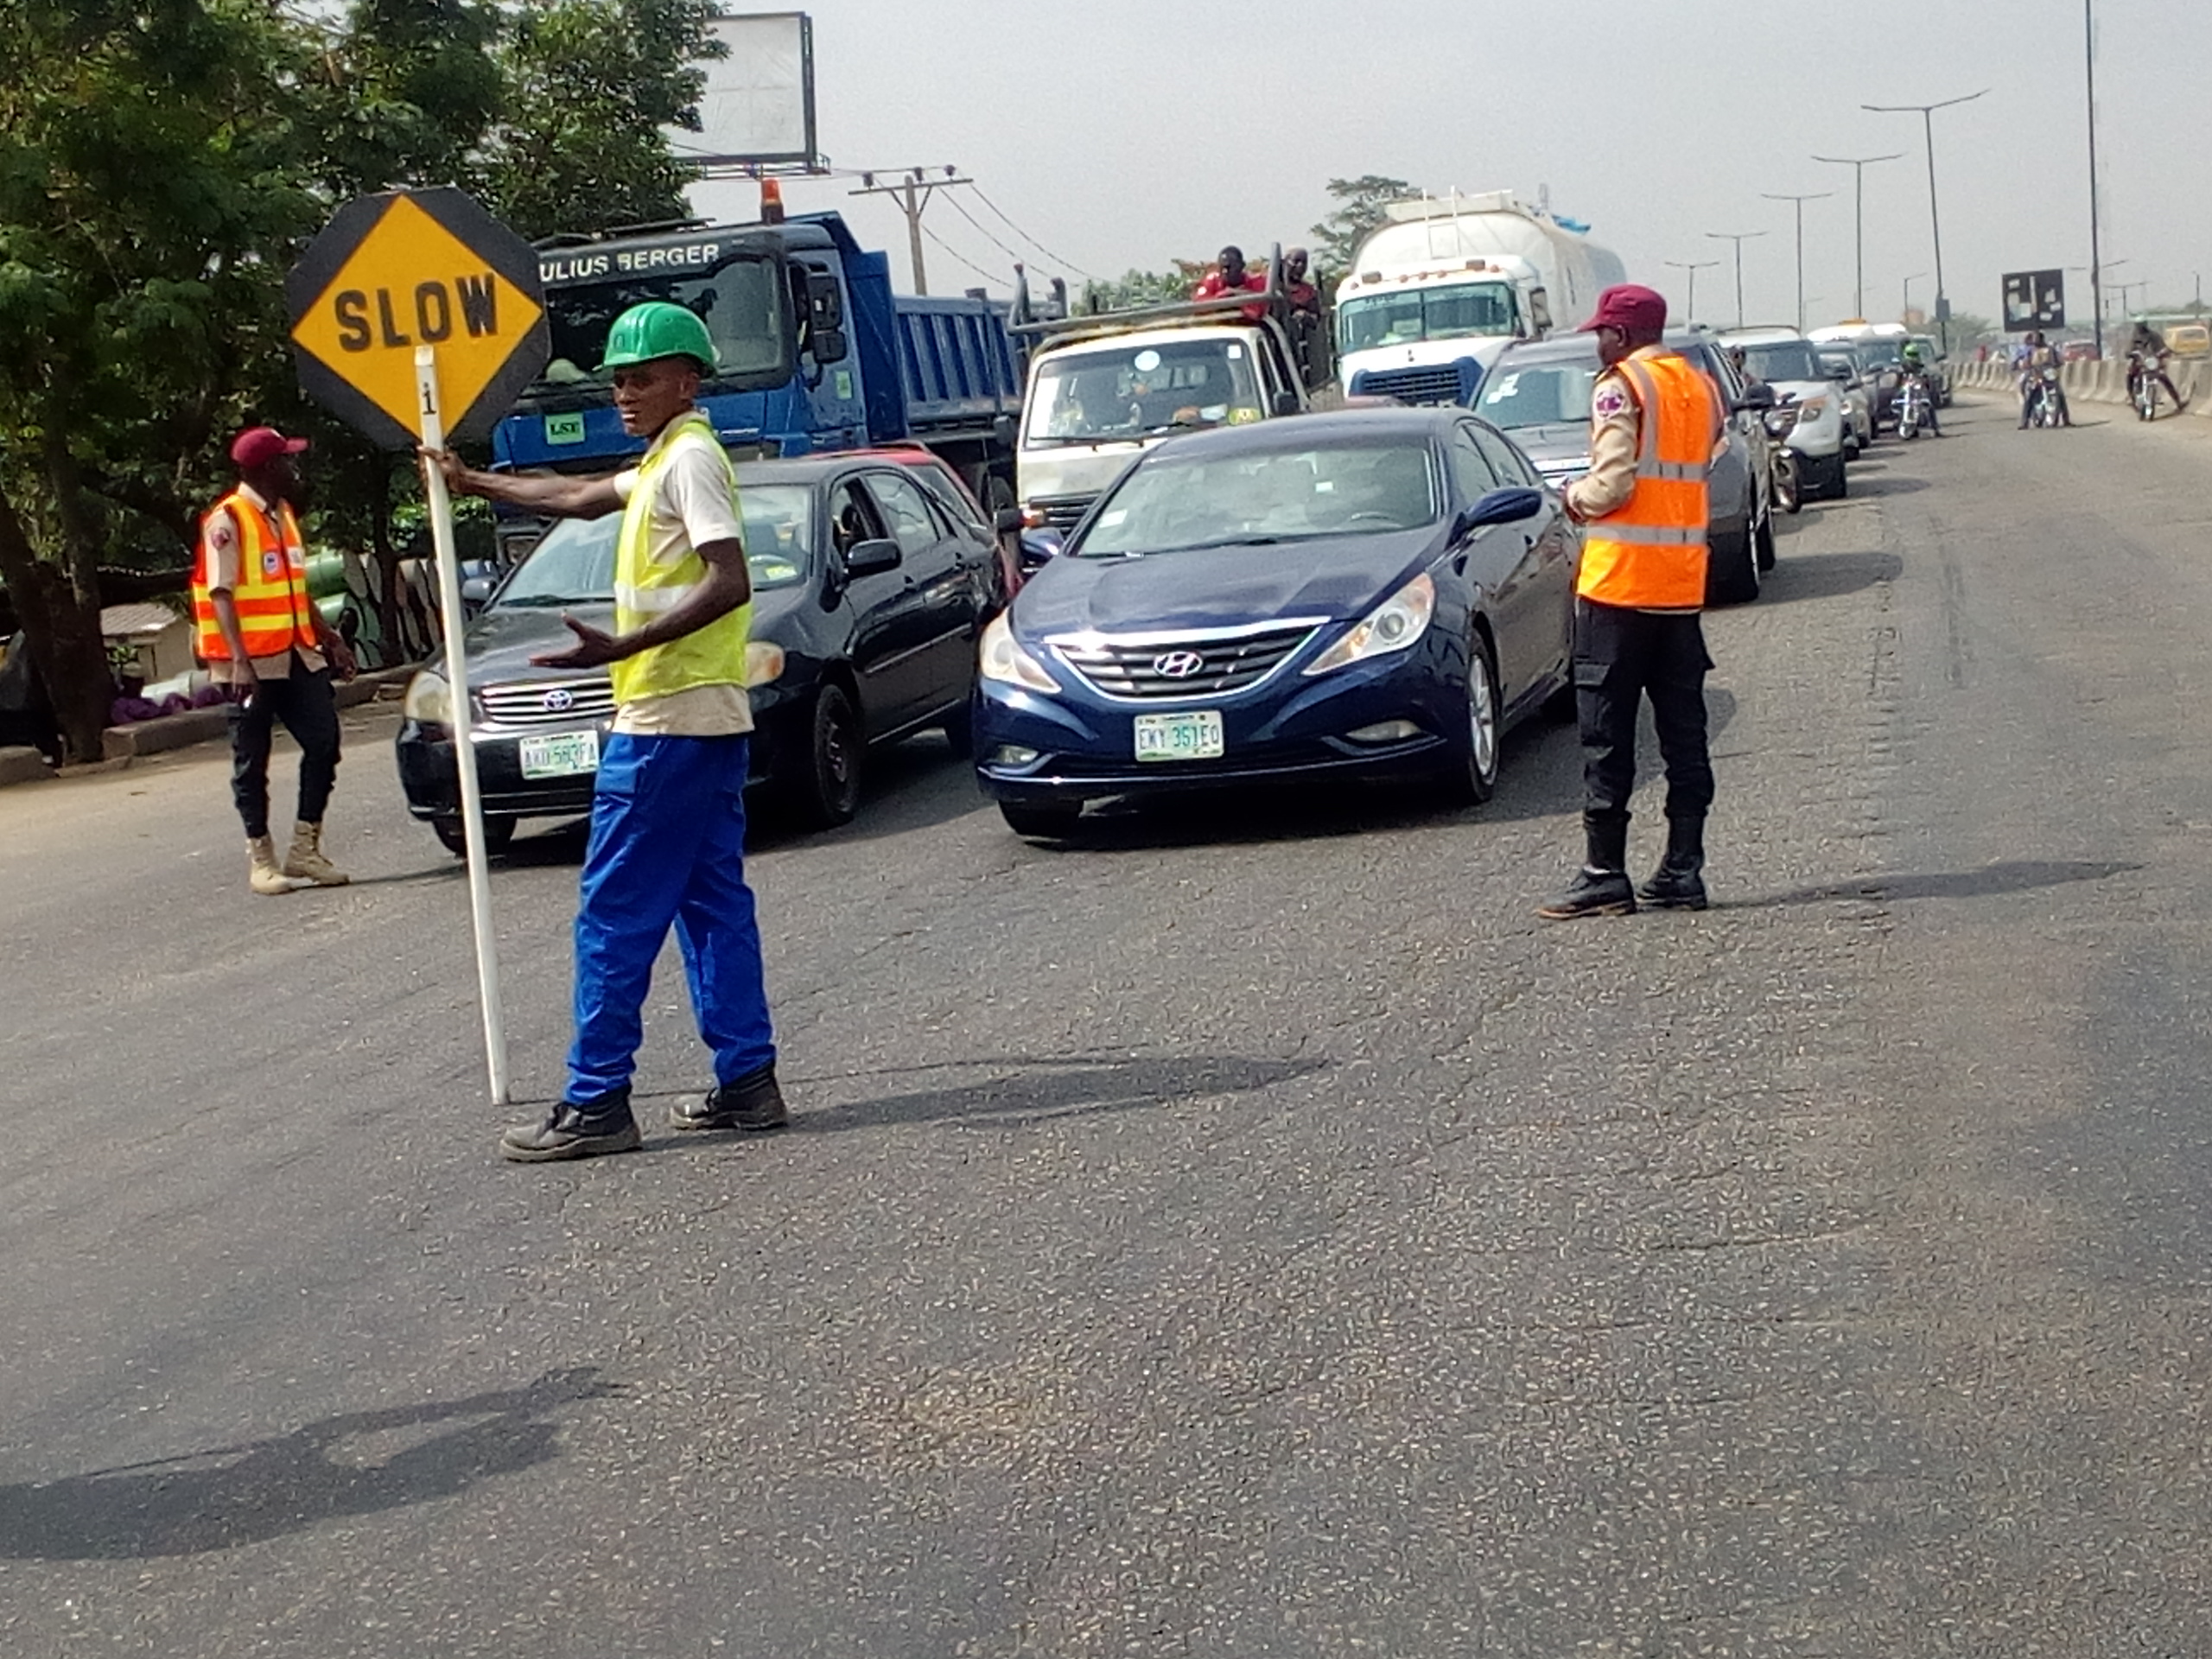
(667, 846)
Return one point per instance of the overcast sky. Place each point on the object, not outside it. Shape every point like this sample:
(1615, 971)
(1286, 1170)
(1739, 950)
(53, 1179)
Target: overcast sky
(1127, 132)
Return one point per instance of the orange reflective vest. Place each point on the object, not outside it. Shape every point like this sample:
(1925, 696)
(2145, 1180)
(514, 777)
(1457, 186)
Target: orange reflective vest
(275, 612)
(1649, 553)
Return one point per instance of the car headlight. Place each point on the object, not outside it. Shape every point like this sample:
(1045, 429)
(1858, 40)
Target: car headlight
(428, 701)
(1394, 625)
(1004, 660)
(1811, 409)
(1779, 422)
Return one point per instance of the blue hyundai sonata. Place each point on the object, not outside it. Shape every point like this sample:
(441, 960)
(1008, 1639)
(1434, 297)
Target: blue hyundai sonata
(1373, 593)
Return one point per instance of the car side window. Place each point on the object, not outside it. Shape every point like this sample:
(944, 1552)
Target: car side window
(1472, 472)
(1511, 465)
(853, 518)
(950, 500)
(914, 525)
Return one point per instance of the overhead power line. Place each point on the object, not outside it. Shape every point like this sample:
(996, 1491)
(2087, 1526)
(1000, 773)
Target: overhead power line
(1049, 256)
(957, 256)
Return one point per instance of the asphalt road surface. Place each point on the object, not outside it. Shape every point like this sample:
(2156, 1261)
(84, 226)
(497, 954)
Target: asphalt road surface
(1249, 1231)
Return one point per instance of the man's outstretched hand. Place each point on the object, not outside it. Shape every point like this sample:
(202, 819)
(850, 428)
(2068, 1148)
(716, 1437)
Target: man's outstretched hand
(595, 648)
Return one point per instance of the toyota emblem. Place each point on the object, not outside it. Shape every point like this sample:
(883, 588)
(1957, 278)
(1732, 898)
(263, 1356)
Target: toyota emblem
(560, 700)
(1177, 664)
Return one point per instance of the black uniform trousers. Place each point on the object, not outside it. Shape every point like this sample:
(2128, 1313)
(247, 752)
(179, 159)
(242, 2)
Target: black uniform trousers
(308, 707)
(1622, 655)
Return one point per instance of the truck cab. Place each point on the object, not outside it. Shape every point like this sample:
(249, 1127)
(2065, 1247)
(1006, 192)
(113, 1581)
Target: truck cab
(1102, 388)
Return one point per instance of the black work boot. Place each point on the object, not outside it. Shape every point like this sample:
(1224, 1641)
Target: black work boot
(1601, 887)
(752, 1102)
(1679, 882)
(574, 1131)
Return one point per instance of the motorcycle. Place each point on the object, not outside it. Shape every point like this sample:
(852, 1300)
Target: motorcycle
(2142, 386)
(1913, 412)
(2046, 406)
(1788, 491)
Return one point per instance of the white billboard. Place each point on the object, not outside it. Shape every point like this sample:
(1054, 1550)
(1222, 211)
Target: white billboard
(757, 108)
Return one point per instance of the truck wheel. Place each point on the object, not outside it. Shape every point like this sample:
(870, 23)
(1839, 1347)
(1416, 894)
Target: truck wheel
(453, 835)
(827, 791)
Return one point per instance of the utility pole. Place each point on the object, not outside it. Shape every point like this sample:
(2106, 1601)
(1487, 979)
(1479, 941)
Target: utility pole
(911, 195)
(1801, 200)
(1927, 114)
(2096, 270)
(1859, 164)
(1738, 238)
(1690, 306)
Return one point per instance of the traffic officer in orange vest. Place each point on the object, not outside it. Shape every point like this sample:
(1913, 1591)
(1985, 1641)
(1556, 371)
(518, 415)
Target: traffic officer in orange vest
(259, 633)
(667, 814)
(1655, 425)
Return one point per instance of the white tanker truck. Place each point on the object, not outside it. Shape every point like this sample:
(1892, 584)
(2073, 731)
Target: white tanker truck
(1445, 284)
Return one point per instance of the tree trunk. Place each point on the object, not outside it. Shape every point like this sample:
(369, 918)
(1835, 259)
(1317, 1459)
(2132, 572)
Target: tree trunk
(64, 637)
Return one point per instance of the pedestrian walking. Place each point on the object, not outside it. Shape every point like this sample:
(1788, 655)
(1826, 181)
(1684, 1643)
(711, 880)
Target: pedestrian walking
(668, 816)
(258, 632)
(1656, 426)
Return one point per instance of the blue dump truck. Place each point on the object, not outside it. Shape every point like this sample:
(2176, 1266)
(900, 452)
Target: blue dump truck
(817, 353)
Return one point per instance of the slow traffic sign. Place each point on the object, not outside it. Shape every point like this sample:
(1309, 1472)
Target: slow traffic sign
(394, 272)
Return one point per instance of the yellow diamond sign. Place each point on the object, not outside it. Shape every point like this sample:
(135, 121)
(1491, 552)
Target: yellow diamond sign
(392, 274)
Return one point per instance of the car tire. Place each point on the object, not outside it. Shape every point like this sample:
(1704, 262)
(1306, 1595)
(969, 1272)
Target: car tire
(1763, 543)
(453, 835)
(1731, 575)
(826, 791)
(1832, 481)
(1041, 820)
(1471, 779)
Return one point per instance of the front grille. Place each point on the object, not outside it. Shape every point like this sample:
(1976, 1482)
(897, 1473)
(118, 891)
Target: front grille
(1064, 512)
(547, 703)
(1160, 666)
(1434, 383)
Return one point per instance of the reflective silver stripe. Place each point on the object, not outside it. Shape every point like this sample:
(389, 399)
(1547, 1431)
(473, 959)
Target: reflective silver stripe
(1647, 409)
(653, 602)
(1646, 535)
(1675, 471)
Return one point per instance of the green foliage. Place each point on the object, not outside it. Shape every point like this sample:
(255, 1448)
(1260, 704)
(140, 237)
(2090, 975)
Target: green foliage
(1360, 203)
(1141, 287)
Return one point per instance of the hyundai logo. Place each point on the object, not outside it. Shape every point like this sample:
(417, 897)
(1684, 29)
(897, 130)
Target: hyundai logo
(1179, 664)
(559, 701)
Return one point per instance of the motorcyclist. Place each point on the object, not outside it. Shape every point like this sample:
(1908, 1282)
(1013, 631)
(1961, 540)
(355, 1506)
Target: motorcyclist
(2147, 352)
(1915, 368)
(2038, 355)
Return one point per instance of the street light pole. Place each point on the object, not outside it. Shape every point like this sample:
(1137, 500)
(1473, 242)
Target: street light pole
(1738, 238)
(1801, 200)
(1690, 308)
(2089, 80)
(1859, 164)
(1908, 282)
(1927, 114)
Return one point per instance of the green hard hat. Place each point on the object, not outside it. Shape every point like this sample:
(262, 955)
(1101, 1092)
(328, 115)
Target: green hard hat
(656, 329)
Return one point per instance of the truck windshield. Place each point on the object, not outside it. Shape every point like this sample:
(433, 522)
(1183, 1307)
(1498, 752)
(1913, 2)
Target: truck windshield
(1538, 394)
(743, 301)
(1406, 314)
(1784, 359)
(1179, 503)
(1114, 393)
(574, 564)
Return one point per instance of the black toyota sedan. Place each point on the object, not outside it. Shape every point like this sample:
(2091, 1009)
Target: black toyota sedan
(873, 575)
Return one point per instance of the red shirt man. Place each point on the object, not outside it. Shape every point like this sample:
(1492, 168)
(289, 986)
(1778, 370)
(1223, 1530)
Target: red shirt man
(1227, 278)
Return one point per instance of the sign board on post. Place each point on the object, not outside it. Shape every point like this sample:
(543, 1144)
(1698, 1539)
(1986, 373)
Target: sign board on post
(2034, 299)
(416, 317)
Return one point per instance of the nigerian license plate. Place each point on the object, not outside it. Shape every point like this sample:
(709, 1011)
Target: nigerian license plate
(560, 755)
(1192, 736)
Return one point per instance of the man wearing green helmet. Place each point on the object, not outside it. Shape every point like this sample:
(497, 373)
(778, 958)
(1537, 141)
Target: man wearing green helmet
(668, 816)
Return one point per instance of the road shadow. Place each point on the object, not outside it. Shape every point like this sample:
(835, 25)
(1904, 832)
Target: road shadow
(918, 784)
(1019, 1090)
(1883, 483)
(246, 1494)
(1827, 575)
(2018, 875)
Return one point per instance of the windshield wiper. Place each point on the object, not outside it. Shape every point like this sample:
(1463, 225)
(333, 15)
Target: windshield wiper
(548, 602)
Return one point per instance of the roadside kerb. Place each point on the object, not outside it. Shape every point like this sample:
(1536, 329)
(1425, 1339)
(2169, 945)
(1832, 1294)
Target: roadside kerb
(2099, 382)
(167, 732)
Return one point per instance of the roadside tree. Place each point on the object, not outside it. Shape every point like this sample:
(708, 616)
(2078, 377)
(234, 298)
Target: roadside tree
(1360, 203)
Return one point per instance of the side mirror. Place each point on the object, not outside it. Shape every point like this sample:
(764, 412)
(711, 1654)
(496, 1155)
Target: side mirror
(1286, 402)
(1759, 397)
(476, 593)
(1002, 431)
(825, 301)
(1006, 520)
(829, 346)
(870, 558)
(1498, 507)
(1840, 373)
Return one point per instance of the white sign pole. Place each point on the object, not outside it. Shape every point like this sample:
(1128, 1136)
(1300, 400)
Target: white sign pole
(433, 427)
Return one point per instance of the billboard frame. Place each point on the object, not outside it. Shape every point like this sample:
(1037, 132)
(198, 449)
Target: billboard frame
(711, 164)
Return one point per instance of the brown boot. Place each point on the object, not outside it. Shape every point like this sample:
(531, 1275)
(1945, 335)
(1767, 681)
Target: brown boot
(264, 875)
(305, 860)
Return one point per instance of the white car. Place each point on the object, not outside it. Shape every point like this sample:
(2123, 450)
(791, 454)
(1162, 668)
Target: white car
(1787, 361)
(1858, 398)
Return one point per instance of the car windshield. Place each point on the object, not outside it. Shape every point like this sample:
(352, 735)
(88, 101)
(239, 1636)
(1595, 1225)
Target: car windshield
(1406, 314)
(1518, 395)
(1879, 354)
(1830, 359)
(1784, 359)
(742, 301)
(1120, 392)
(574, 563)
(1176, 503)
